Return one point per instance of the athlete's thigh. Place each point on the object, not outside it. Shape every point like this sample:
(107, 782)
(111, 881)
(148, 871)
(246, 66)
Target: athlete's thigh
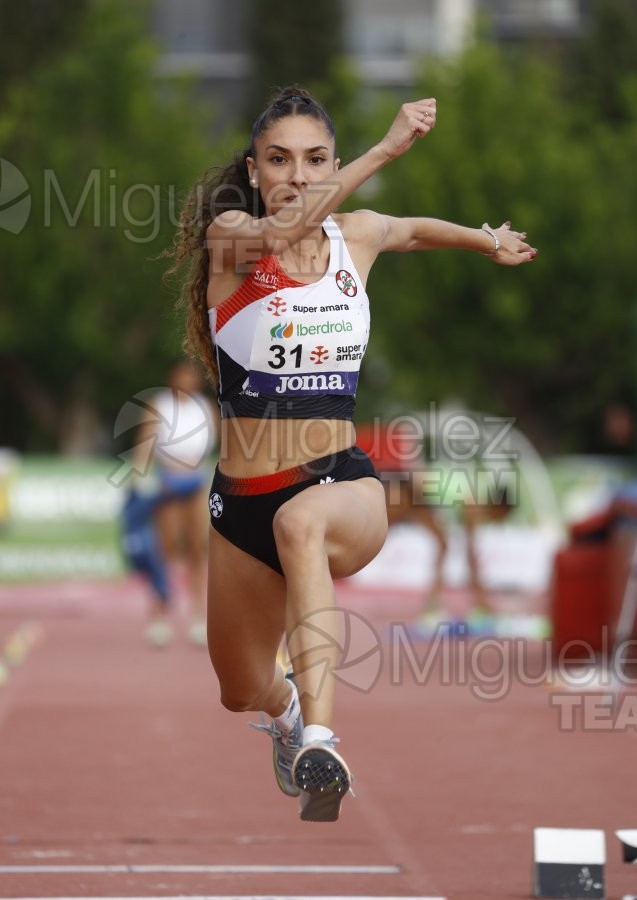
(353, 516)
(246, 611)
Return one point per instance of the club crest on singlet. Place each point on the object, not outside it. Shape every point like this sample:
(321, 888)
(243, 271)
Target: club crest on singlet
(346, 284)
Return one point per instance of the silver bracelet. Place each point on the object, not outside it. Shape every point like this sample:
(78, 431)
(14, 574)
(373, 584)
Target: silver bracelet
(495, 239)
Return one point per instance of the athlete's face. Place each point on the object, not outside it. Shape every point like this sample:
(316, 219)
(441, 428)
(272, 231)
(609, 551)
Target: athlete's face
(291, 154)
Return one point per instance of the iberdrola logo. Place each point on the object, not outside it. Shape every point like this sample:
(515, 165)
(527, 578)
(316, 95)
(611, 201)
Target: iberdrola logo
(282, 331)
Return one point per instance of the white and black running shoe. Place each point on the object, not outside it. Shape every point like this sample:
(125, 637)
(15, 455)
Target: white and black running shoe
(285, 747)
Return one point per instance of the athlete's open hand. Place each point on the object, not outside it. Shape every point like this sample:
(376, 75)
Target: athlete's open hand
(413, 120)
(513, 248)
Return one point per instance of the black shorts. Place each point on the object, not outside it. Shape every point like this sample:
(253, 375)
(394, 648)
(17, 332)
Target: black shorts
(243, 509)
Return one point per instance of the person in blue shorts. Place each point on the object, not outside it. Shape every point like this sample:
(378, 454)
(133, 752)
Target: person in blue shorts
(144, 553)
(180, 427)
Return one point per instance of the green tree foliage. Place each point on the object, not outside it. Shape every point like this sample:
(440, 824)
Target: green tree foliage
(84, 319)
(602, 66)
(291, 43)
(552, 342)
(34, 31)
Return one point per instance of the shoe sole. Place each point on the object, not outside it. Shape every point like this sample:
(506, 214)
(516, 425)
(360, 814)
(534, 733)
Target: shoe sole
(324, 779)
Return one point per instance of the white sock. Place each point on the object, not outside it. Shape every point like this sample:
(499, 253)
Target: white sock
(287, 719)
(313, 733)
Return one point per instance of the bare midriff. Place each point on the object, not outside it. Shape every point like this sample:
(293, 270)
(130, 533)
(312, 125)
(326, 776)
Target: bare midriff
(253, 447)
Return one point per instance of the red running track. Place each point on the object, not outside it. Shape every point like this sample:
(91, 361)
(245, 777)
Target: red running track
(113, 754)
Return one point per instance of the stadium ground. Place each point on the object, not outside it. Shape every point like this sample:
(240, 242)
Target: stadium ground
(121, 776)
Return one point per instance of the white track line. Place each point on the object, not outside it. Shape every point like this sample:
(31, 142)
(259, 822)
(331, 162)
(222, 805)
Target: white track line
(242, 897)
(205, 870)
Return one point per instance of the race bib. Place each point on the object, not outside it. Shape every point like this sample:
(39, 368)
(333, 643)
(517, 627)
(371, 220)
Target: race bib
(304, 349)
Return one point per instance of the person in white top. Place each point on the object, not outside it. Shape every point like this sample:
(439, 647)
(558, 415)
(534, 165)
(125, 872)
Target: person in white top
(182, 425)
(294, 503)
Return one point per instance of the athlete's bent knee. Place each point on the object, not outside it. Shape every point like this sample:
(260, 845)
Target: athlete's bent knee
(242, 701)
(295, 530)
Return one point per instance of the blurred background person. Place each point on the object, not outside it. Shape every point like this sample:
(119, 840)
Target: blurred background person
(618, 433)
(397, 453)
(177, 437)
(407, 502)
(412, 492)
(143, 554)
(473, 514)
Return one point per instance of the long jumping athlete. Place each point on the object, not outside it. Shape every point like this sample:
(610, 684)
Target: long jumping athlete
(277, 311)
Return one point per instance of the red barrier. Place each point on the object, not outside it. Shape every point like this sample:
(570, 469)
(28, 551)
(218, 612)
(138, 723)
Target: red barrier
(579, 598)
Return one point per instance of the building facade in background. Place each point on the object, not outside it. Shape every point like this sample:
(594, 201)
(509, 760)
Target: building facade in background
(385, 41)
